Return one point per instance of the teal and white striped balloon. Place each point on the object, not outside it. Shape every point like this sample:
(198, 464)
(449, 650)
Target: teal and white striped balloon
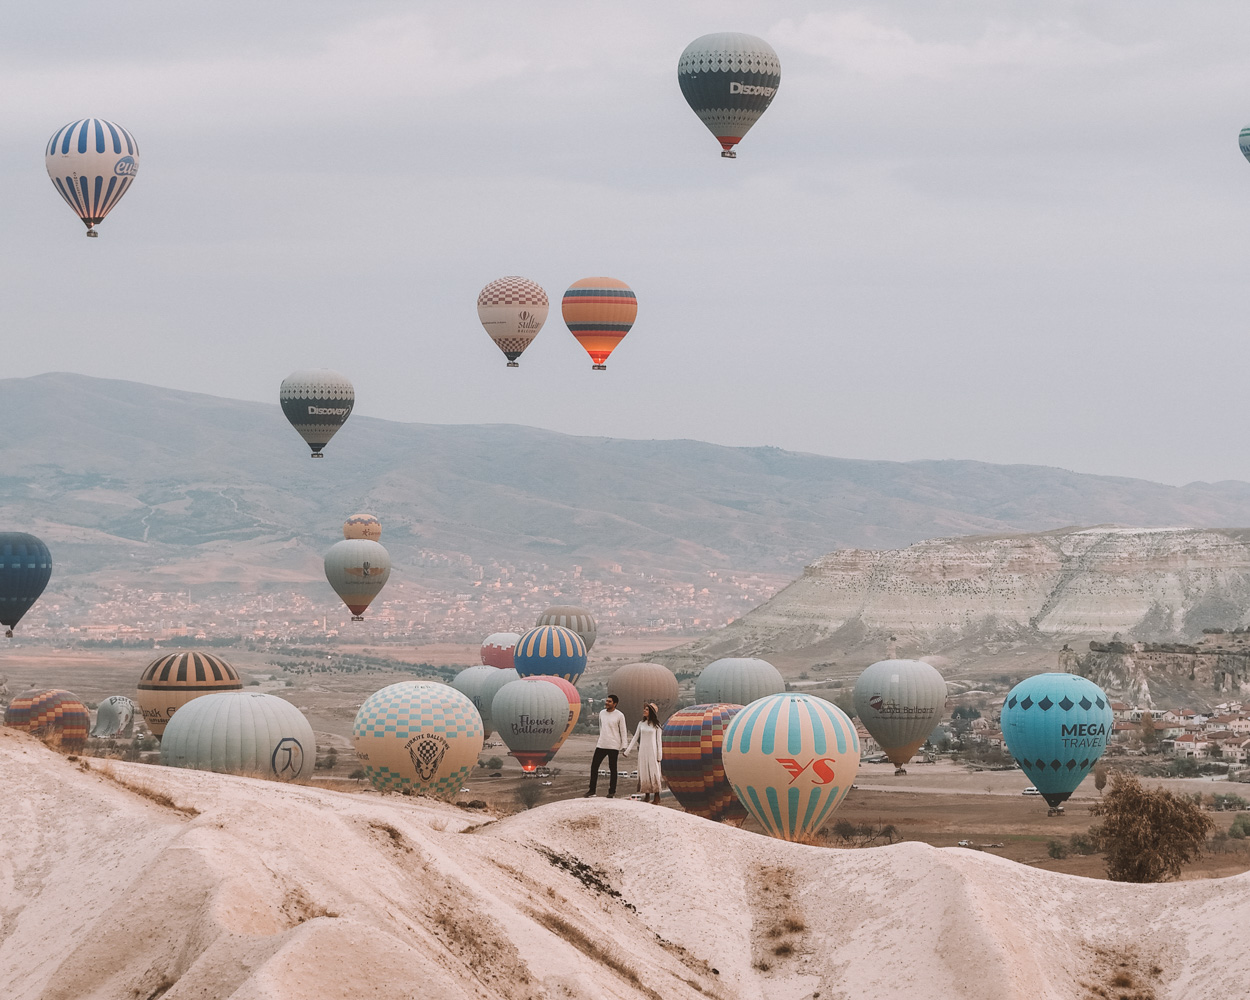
(790, 759)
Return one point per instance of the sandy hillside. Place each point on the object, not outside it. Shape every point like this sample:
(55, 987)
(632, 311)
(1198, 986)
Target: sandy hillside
(246, 889)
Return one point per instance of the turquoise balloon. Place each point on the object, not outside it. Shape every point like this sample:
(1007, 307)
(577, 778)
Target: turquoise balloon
(1056, 727)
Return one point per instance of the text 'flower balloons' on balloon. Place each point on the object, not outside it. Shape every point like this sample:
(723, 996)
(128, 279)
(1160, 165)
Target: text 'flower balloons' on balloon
(531, 716)
(791, 758)
(1056, 726)
(418, 736)
(693, 740)
(92, 162)
(512, 311)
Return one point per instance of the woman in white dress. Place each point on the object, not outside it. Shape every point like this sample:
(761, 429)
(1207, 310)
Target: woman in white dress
(650, 753)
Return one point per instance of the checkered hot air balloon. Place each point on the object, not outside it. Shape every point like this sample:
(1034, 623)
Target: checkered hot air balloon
(599, 312)
(92, 162)
(729, 79)
(512, 310)
(1056, 727)
(552, 650)
(693, 739)
(418, 736)
(791, 759)
(57, 717)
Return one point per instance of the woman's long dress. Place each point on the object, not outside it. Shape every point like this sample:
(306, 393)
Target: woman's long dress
(650, 753)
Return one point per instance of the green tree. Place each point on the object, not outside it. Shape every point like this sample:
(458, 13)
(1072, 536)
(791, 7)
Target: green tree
(1241, 826)
(1148, 834)
(1149, 736)
(1100, 776)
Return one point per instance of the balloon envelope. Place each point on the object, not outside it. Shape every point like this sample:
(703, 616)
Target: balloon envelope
(575, 710)
(170, 681)
(241, 732)
(25, 568)
(550, 649)
(480, 684)
(531, 716)
(497, 649)
(357, 569)
(1244, 142)
(791, 759)
(1056, 727)
(418, 735)
(113, 715)
(693, 739)
(599, 312)
(512, 311)
(635, 684)
(900, 702)
(362, 526)
(571, 616)
(92, 163)
(57, 717)
(729, 79)
(737, 680)
(317, 402)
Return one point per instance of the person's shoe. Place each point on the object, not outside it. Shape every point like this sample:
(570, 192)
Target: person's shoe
(589, 795)
(611, 795)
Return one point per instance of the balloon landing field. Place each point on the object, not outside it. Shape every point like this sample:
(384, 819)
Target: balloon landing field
(161, 882)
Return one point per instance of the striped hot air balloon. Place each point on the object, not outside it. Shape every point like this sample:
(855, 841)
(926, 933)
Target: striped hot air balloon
(170, 681)
(512, 310)
(550, 649)
(729, 79)
(57, 717)
(693, 740)
(92, 162)
(599, 312)
(418, 736)
(791, 759)
(573, 616)
(575, 710)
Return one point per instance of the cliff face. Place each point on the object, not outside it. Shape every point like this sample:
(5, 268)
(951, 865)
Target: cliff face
(1148, 584)
(1161, 673)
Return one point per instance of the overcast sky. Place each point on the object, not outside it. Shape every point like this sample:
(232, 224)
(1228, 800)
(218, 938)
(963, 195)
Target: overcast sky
(1007, 231)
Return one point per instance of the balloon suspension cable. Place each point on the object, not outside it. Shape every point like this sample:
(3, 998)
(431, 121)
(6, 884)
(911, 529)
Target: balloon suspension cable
(729, 154)
(514, 364)
(598, 368)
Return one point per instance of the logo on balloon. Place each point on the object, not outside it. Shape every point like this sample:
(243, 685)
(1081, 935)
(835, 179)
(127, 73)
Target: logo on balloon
(427, 752)
(287, 760)
(126, 167)
(892, 708)
(752, 89)
(822, 769)
(527, 321)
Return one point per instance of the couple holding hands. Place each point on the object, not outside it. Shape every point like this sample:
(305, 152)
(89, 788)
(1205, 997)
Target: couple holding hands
(613, 737)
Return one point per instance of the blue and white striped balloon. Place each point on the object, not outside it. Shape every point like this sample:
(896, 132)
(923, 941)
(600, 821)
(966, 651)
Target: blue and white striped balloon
(790, 759)
(92, 162)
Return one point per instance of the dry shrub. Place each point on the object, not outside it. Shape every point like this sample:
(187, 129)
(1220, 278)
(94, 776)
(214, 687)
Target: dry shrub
(602, 953)
(397, 838)
(783, 949)
(1148, 834)
(145, 790)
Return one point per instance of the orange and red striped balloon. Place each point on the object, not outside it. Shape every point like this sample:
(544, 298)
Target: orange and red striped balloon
(599, 312)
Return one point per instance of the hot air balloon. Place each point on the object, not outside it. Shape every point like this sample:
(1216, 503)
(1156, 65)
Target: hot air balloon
(114, 715)
(579, 619)
(693, 739)
(791, 759)
(729, 80)
(635, 684)
(241, 732)
(550, 649)
(575, 710)
(317, 402)
(900, 702)
(531, 716)
(25, 568)
(737, 681)
(599, 312)
(497, 649)
(357, 570)
(1244, 142)
(1056, 727)
(170, 681)
(418, 735)
(513, 310)
(57, 717)
(362, 526)
(480, 685)
(92, 162)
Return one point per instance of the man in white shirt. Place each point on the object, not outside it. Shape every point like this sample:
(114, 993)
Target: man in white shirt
(613, 736)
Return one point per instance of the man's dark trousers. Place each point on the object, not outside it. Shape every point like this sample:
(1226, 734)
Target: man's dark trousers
(600, 753)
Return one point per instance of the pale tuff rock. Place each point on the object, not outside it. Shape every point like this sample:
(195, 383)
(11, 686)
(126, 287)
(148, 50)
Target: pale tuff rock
(1215, 669)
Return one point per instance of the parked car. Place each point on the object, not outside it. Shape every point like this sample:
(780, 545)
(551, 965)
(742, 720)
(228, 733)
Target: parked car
(1031, 790)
